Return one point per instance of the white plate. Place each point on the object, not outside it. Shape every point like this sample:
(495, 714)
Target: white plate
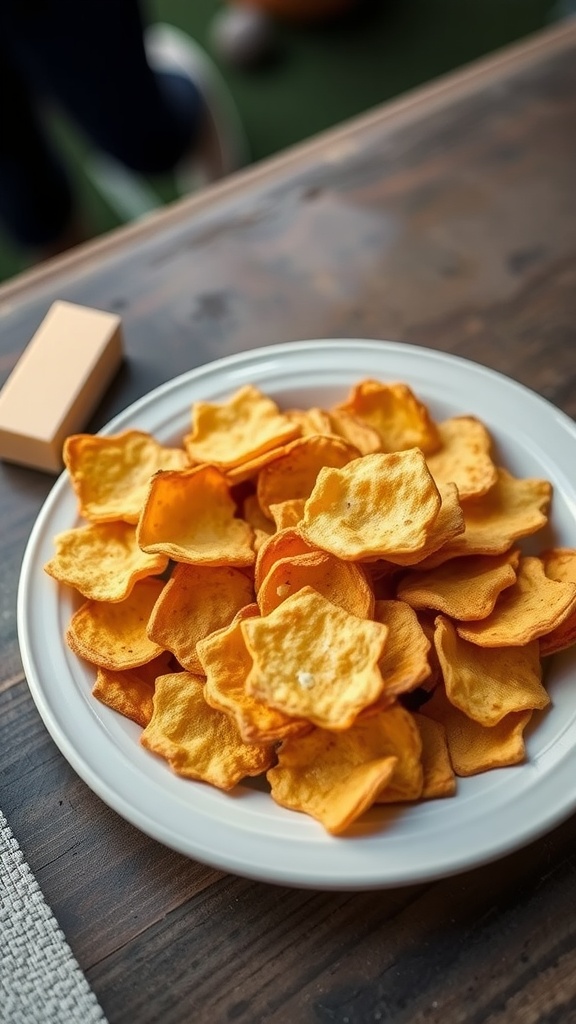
(245, 832)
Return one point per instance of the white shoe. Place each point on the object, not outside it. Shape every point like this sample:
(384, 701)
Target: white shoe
(170, 49)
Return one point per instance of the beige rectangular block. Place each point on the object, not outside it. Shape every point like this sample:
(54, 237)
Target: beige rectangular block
(57, 383)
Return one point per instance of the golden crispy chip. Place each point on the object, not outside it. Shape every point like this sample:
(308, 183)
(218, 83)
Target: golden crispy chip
(261, 525)
(131, 693)
(286, 543)
(401, 419)
(310, 421)
(229, 433)
(102, 561)
(463, 588)
(197, 741)
(560, 564)
(332, 778)
(125, 692)
(293, 473)
(226, 663)
(287, 514)
(511, 509)
(111, 475)
(343, 583)
(356, 431)
(488, 683)
(559, 639)
(379, 506)
(190, 516)
(404, 663)
(313, 660)
(114, 635)
(196, 601)
(395, 731)
(529, 609)
(464, 457)
(474, 748)
(254, 515)
(259, 539)
(426, 621)
(449, 523)
(247, 472)
(439, 777)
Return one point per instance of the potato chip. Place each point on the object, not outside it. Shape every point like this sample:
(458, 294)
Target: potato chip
(261, 525)
(226, 663)
(247, 472)
(329, 776)
(286, 543)
(310, 421)
(196, 601)
(379, 506)
(253, 514)
(259, 539)
(190, 516)
(354, 430)
(512, 508)
(427, 623)
(439, 779)
(404, 663)
(464, 457)
(529, 609)
(463, 588)
(197, 741)
(488, 683)
(560, 638)
(474, 748)
(449, 523)
(111, 475)
(559, 564)
(343, 583)
(401, 419)
(114, 636)
(313, 660)
(293, 473)
(395, 731)
(287, 514)
(131, 693)
(125, 692)
(229, 433)
(102, 561)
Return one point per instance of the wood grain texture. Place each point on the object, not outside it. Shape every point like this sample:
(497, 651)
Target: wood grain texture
(446, 220)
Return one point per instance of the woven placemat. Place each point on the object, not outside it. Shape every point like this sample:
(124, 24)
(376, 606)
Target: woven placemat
(40, 980)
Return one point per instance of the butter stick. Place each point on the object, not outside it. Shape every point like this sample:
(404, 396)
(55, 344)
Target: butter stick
(57, 383)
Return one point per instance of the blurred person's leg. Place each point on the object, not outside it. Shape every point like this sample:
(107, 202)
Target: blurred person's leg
(36, 204)
(89, 58)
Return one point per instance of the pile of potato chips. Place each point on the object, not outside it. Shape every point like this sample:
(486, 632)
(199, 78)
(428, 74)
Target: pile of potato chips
(333, 597)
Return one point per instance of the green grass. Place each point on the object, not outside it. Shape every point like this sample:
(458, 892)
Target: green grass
(323, 75)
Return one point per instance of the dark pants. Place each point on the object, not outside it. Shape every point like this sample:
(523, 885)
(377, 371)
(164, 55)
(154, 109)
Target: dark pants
(87, 58)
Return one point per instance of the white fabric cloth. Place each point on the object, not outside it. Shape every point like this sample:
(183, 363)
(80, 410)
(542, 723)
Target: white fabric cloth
(40, 980)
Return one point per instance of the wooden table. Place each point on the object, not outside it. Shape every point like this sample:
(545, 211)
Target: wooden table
(446, 219)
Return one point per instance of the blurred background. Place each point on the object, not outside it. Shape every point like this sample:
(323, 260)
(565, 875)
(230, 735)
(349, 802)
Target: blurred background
(302, 76)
